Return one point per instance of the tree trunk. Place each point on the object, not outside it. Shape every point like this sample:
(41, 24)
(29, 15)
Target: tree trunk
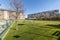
(16, 25)
(17, 19)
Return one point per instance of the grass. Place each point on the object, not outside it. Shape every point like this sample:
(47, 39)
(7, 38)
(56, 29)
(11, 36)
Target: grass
(35, 30)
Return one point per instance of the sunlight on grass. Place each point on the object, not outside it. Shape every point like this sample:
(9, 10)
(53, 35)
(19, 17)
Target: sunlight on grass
(36, 30)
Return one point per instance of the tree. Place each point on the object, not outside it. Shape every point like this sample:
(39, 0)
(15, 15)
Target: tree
(17, 5)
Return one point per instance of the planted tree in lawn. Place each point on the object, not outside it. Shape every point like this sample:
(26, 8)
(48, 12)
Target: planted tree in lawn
(17, 5)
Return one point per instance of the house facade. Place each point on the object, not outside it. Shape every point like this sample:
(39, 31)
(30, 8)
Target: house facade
(9, 14)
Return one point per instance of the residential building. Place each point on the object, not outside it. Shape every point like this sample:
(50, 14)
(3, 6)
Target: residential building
(10, 14)
(43, 15)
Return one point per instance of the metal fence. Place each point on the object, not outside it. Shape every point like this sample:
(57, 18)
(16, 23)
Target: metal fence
(4, 27)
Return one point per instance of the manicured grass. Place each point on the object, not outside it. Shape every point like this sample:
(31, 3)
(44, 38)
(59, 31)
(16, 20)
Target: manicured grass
(34, 30)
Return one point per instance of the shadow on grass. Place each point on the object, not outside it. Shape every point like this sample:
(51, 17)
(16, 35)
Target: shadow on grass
(55, 26)
(57, 33)
(58, 38)
(16, 36)
(20, 24)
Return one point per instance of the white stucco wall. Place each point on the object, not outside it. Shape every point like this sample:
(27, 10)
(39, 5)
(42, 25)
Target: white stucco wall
(21, 16)
(6, 15)
(14, 15)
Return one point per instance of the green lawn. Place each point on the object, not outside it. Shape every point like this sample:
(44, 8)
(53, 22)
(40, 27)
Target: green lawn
(37, 30)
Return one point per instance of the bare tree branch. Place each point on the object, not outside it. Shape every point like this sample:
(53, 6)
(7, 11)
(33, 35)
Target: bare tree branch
(18, 6)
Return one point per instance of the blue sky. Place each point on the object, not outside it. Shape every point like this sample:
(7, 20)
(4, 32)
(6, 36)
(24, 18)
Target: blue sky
(34, 6)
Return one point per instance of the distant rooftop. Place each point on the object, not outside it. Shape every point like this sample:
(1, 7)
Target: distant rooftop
(5, 10)
(9, 10)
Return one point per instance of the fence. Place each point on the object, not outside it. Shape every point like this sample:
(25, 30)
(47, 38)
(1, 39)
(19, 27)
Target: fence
(4, 27)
